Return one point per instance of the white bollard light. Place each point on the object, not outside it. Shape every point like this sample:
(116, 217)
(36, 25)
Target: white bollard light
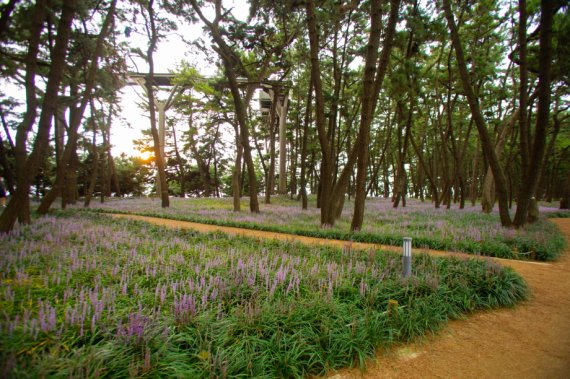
(407, 258)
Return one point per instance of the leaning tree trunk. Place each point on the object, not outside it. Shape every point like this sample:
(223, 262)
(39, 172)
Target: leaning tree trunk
(24, 128)
(487, 144)
(66, 168)
(370, 90)
(20, 200)
(229, 58)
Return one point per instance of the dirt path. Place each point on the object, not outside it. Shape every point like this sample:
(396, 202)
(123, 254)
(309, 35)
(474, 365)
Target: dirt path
(531, 340)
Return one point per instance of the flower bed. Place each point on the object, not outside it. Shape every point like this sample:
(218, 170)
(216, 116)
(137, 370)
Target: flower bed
(84, 295)
(467, 230)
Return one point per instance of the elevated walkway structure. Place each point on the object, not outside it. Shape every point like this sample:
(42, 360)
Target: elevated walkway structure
(267, 96)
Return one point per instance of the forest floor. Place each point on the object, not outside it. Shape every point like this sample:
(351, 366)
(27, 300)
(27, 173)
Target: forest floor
(531, 340)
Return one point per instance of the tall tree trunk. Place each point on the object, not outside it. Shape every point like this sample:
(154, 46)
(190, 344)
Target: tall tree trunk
(400, 179)
(565, 198)
(520, 216)
(94, 165)
(216, 178)
(270, 182)
(65, 167)
(325, 182)
(236, 175)
(282, 110)
(24, 128)
(203, 168)
(149, 82)
(373, 77)
(105, 169)
(20, 200)
(111, 161)
(229, 57)
(295, 150)
(332, 194)
(487, 144)
(5, 16)
(306, 122)
(488, 190)
(6, 166)
(381, 155)
(426, 170)
(70, 193)
(475, 175)
(549, 177)
(535, 157)
(180, 162)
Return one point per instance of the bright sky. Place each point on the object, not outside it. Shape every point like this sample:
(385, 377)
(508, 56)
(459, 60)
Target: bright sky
(171, 51)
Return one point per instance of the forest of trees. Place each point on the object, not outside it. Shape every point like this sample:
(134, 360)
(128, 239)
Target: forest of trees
(448, 101)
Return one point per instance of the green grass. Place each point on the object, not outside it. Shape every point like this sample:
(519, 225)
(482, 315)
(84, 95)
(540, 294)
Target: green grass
(468, 230)
(263, 309)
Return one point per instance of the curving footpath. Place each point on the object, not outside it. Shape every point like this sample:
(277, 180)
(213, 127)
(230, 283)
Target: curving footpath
(531, 340)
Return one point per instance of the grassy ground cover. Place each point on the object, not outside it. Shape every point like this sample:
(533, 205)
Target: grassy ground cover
(82, 295)
(467, 230)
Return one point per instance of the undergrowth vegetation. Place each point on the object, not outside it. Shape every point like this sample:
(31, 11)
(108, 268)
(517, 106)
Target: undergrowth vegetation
(466, 230)
(87, 296)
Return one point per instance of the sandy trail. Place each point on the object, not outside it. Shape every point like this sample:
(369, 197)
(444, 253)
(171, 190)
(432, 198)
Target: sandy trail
(531, 340)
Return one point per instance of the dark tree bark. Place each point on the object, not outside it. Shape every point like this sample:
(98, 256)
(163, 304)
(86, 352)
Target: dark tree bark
(486, 142)
(113, 172)
(426, 170)
(152, 33)
(24, 128)
(236, 174)
(65, 167)
(270, 182)
(565, 198)
(332, 194)
(400, 177)
(95, 162)
(70, 191)
(180, 165)
(5, 14)
(473, 191)
(534, 159)
(325, 182)
(381, 157)
(28, 171)
(373, 77)
(520, 216)
(6, 166)
(306, 122)
(229, 58)
(203, 168)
